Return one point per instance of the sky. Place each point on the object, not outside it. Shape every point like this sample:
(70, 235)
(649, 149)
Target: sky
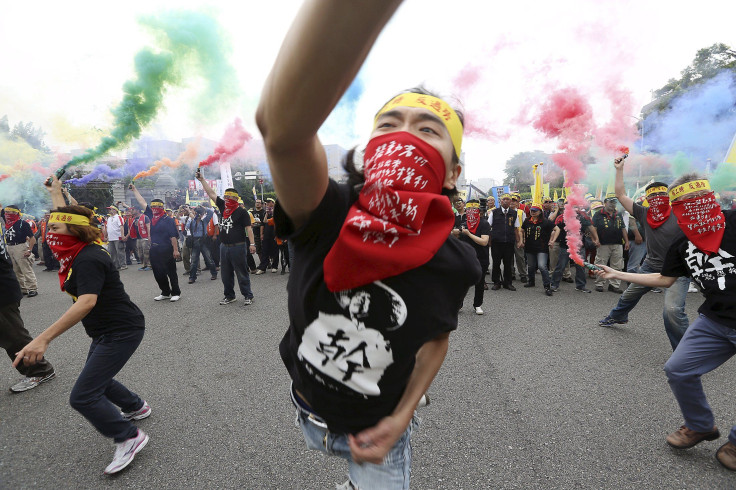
(64, 64)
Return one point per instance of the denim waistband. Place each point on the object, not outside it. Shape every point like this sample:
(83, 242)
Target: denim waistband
(301, 407)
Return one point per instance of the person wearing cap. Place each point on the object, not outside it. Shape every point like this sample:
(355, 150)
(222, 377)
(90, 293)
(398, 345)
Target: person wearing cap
(707, 254)
(113, 322)
(559, 236)
(505, 234)
(613, 238)
(536, 232)
(113, 235)
(20, 241)
(378, 283)
(519, 254)
(661, 230)
(164, 251)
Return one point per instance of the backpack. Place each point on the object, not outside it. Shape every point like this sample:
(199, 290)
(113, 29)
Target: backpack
(212, 229)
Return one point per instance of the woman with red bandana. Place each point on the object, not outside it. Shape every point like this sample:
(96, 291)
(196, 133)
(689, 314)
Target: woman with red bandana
(707, 254)
(110, 318)
(164, 250)
(378, 281)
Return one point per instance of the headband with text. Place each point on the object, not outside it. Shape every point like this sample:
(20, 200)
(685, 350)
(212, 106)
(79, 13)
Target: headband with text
(655, 190)
(688, 187)
(69, 219)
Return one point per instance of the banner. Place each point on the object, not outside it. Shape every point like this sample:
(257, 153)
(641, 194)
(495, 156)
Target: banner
(227, 178)
(499, 191)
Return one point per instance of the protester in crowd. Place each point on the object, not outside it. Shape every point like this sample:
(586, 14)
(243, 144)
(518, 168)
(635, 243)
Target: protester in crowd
(519, 257)
(705, 254)
(536, 232)
(475, 231)
(142, 227)
(20, 241)
(505, 235)
(259, 215)
(548, 208)
(131, 236)
(637, 246)
(661, 231)
(235, 229)
(554, 251)
(185, 239)
(357, 308)
(268, 242)
(110, 318)
(197, 232)
(113, 235)
(48, 258)
(164, 249)
(559, 236)
(613, 239)
(212, 242)
(13, 334)
(459, 207)
(491, 205)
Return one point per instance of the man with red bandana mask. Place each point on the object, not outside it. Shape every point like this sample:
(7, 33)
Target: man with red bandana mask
(378, 281)
(20, 241)
(707, 254)
(475, 231)
(660, 231)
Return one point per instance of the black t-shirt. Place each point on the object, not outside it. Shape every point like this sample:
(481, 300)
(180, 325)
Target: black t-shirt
(715, 274)
(163, 231)
(93, 272)
(8, 282)
(18, 233)
(536, 235)
(610, 228)
(481, 251)
(560, 223)
(232, 229)
(350, 354)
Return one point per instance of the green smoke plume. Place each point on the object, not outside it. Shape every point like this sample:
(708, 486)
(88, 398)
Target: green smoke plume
(190, 44)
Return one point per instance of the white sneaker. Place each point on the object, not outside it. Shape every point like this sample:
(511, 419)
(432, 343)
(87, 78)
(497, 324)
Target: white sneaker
(274, 270)
(478, 310)
(162, 297)
(125, 452)
(692, 288)
(139, 414)
(175, 298)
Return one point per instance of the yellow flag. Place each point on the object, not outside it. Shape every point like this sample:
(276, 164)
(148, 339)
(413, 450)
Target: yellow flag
(537, 188)
(187, 201)
(556, 197)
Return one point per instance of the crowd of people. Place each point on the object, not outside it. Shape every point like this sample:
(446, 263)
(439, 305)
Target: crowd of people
(384, 263)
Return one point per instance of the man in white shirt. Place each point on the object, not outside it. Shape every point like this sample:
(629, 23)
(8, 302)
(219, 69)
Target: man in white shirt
(115, 238)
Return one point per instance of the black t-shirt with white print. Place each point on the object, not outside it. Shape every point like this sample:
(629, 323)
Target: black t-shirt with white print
(350, 354)
(232, 229)
(93, 272)
(715, 273)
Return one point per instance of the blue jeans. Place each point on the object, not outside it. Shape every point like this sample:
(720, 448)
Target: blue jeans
(198, 246)
(393, 473)
(233, 262)
(562, 260)
(636, 255)
(675, 318)
(96, 391)
(705, 346)
(538, 260)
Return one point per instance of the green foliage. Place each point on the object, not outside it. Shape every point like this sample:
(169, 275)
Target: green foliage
(708, 62)
(4, 125)
(32, 136)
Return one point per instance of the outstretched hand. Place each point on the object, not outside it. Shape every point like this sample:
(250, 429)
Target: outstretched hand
(619, 162)
(32, 353)
(605, 272)
(53, 183)
(373, 444)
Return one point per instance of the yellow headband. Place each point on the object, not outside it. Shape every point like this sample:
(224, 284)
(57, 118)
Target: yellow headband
(12, 210)
(69, 219)
(506, 196)
(688, 187)
(438, 107)
(113, 207)
(232, 194)
(654, 190)
(473, 205)
(157, 204)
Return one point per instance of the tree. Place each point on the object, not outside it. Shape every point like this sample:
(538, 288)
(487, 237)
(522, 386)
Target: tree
(32, 136)
(4, 125)
(518, 169)
(708, 63)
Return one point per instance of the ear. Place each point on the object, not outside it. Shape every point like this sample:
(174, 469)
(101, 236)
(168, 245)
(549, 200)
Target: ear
(452, 175)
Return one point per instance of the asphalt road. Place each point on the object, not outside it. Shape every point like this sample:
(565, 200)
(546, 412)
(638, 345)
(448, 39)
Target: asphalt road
(532, 395)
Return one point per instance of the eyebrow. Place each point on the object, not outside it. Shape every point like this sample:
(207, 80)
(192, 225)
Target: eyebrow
(423, 116)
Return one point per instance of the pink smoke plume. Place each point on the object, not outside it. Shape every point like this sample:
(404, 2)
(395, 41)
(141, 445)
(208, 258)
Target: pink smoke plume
(232, 141)
(3, 177)
(187, 156)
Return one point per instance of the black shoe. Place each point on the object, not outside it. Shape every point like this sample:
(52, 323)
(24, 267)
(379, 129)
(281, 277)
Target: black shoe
(283, 271)
(213, 278)
(31, 294)
(524, 279)
(191, 281)
(582, 290)
(547, 291)
(568, 279)
(616, 290)
(495, 287)
(528, 284)
(186, 273)
(510, 287)
(599, 289)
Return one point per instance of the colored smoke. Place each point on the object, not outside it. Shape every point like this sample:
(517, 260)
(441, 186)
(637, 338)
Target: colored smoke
(188, 40)
(341, 123)
(105, 173)
(3, 177)
(189, 155)
(231, 142)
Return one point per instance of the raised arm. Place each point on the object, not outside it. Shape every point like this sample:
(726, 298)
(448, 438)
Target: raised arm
(620, 189)
(209, 190)
(70, 199)
(138, 196)
(53, 185)
(321, 54)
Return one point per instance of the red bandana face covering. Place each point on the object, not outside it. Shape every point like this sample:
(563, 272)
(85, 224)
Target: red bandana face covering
(702, 221)
(11, 219)
(659, 210)
(158, 213)
(230, 206)
(400, 220)
(65, 249)
(472, 215)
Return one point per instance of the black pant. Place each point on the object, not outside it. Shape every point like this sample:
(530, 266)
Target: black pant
(131, 245)
(502, 252)
(214, 244)
(164, 269)
(14, 336)
(479, 286)
(96, 393)
(270, 259)
(48, 258)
